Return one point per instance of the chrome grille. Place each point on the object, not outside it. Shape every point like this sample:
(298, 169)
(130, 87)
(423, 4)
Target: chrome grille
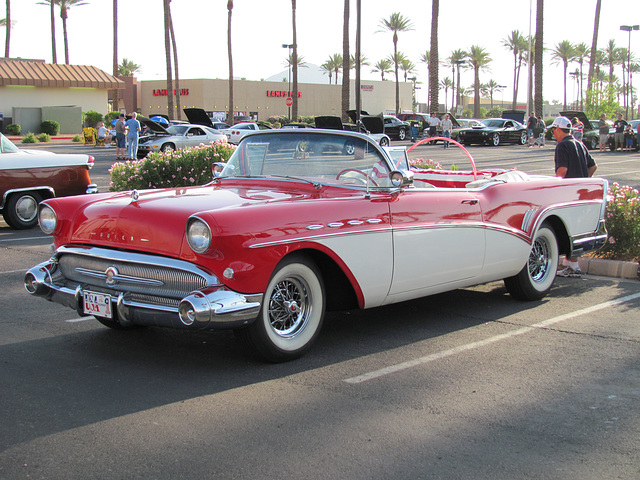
(153, 280)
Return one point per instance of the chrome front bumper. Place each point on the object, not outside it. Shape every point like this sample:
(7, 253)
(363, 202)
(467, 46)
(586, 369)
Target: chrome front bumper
(212, 307)
(581, 244)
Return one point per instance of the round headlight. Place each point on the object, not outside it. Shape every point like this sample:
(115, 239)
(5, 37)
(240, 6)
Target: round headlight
(47, 219)
(198, 235)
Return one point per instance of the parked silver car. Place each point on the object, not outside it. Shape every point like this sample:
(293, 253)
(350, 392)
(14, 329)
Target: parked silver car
(160, 139)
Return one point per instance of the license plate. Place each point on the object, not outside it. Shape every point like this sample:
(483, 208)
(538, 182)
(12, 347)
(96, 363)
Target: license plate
(98, 304)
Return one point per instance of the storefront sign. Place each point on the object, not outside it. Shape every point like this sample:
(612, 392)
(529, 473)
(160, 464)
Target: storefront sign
(162, 92)
(281, 93)
(366, 88)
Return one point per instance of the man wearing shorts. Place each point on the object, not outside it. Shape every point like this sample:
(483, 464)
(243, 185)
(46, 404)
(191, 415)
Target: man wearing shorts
(619, 125)
(120, 140)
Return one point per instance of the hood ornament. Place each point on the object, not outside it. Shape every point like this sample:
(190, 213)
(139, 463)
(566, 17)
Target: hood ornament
(134, 195)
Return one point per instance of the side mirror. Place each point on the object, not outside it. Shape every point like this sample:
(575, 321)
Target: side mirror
(217, 168)
(401, 178)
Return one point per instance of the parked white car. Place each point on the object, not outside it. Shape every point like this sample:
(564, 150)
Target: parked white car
(239, 130)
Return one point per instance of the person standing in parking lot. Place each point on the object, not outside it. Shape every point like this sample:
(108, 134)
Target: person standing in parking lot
(121, 143)
(619, 125)
(532, 124)
(603, 131)
(433, 125)
(133, 128)
(446, 125)
(572, 160)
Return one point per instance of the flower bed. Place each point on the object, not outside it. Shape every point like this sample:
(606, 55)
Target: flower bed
(178, 168)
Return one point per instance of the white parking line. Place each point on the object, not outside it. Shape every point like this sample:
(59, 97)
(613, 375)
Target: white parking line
(13, 271)
(474, 345)
(23, 239)
(81, 319)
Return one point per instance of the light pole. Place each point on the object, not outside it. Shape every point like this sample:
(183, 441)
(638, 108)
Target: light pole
(502, 87)
(289, 46)
(629, 28)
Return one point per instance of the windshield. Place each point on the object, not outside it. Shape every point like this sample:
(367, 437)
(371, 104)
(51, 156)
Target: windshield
(6, 146)
(319, 157)
(493, 123)
(177, 129)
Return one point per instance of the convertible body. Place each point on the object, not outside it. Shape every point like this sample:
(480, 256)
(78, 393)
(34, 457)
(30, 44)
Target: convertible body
(305, 220)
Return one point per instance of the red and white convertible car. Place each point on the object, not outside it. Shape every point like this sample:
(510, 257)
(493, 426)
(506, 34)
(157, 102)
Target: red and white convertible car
(303, 221)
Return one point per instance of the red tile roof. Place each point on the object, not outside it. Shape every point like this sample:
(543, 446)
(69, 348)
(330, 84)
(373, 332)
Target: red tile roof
(40, 74)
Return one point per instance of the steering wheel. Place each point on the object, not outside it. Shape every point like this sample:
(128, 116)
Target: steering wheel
(364, 174)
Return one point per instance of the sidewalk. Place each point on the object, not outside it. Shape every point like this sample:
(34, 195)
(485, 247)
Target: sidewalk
(17, 139)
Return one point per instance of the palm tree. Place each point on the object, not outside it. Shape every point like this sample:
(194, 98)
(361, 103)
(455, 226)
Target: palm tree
(127, 68)
(65, 5)
(478, 59)
(115, 107)
(581, 52)
(167, 50)
(446, 84)
(611, 56)
(396, 23)
(294, 108)
(175, 64)
(327, 67)
(433, 56)
(426, 59)
(383, 66)
(346, 65)
(407, 67)
(51, 4)
(564, 52)
(230, 57)
(594, 48)
(538, 57)
(490, 88)
(454, 60)
(333, 65)
(517, 44)
(6, 22)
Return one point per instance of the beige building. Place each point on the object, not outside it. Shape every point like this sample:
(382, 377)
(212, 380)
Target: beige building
(32, 91)
(261, 99)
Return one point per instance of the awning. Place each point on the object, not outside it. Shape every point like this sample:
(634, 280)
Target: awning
(40, 74)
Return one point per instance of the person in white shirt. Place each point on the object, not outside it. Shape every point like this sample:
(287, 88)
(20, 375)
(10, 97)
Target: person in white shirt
(446, 124)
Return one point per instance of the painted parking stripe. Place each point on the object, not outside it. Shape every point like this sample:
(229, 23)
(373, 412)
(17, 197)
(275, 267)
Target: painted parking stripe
(81, 319)
(6, 240)
(474, 345)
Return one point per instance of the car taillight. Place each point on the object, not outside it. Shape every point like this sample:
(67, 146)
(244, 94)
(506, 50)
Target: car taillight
(90, 162)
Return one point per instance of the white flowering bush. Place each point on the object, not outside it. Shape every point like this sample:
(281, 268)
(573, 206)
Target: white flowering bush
(623, 224)
(178, 168)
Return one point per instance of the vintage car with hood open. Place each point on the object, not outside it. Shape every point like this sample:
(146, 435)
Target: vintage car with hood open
(303, 221)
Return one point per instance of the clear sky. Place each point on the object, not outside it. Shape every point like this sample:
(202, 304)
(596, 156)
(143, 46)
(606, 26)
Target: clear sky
(261, 27)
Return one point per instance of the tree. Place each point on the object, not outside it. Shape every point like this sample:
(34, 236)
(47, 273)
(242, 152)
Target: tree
(611, 57)
(175, 64)
(294, 108)
(426, 59)
(446, 84)
(333, 65)
(538, 57)
(406, 65)
(65, 5)
(396, 23)
(230, 58)
(454, 61)
(167, 50)
(490, 88)
(383, 66)
(517, 44)
(433, 57)
(478, 59)
(564, 53)
(594, 48)
(581, 52)
(115, 106)
(51, 4)
(127, 68)
(346, 65)
(7, 24)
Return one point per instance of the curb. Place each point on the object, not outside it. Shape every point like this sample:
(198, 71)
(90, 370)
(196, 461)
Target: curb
(609, 268)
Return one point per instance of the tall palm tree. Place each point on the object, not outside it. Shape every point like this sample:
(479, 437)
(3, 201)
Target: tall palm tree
(51, 4)
(65, 5)
(346, 66)
(446, 84)
(564, 52)
(6, 22)
(327, 67)
(396, 23)
(167, 50)
(335, 62)
(363, 61)
(294, 107)
(127, 68)
(382, 66)
(175, 64)
(594, 48)
(433, 57)
(581, 52)
(611, 56)
(538, 57)
(517, 44)
(406, 65)
(426, 59)
(478, 59)
(454, 60)
(230, 56)
(490, 88)
(115, 106)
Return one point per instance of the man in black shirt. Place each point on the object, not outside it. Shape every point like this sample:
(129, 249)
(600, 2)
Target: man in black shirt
(572, 160)
(619, 125)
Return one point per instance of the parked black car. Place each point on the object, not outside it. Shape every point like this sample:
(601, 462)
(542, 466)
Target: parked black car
(494, 131)
(395, 128)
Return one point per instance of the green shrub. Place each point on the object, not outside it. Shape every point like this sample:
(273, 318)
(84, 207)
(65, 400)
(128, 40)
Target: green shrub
(14, 129)
(30, 138)
(623, 224)
(77, 138)
(177, 168)
(44, 137)
(91, 118)
(110, 116)
(50, 127)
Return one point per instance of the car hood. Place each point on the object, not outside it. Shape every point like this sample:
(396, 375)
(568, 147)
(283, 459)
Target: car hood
(581, 116)
(155, 222)
(198, 116)
(155, 127)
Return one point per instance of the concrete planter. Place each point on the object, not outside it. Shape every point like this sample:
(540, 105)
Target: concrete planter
(609, 268)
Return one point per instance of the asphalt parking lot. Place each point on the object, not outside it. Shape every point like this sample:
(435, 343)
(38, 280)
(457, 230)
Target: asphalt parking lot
(470, 384)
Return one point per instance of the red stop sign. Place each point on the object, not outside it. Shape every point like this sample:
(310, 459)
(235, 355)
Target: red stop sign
(289, 101)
